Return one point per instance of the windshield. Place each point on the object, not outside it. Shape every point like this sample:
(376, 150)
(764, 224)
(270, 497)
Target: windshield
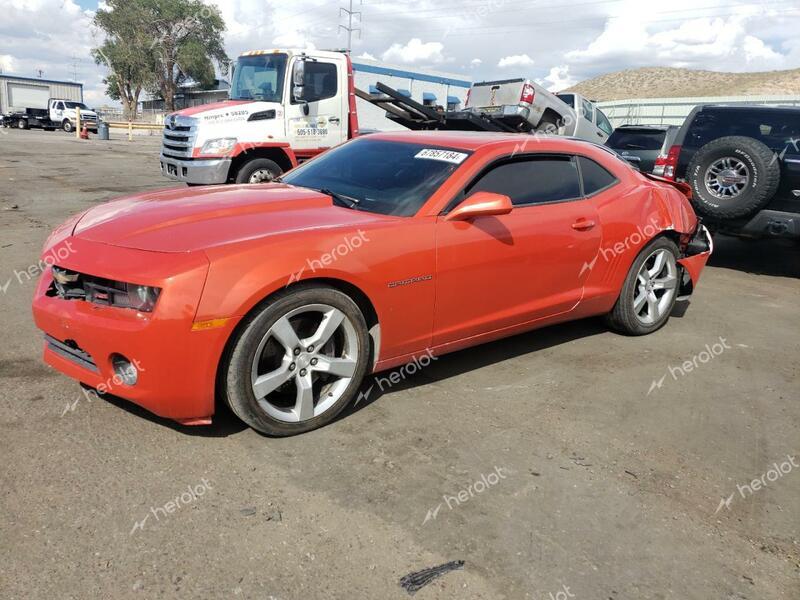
(390, 178)
(259, 77)
(80, 105)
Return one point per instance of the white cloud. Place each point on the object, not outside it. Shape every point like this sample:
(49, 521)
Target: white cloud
(516, 60)
(367, 56)
(475, 62)
(713, 43)
(415, 51)
(558, 79)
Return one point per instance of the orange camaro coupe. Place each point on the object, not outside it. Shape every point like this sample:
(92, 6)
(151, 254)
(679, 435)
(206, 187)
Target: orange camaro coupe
(280, 298)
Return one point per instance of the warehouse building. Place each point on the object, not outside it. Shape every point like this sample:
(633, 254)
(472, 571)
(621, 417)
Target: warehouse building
(19, 93)
(673, 111)
(433, 88)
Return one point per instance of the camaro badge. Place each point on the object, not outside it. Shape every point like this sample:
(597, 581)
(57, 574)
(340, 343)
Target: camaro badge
(410, 280)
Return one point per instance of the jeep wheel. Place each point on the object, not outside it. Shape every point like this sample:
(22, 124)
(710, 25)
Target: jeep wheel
(298, 362)
(258, 170)
(733, 177)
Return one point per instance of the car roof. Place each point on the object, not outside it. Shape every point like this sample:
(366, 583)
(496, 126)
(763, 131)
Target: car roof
(473, 140)
(759, 107)
(646, 127)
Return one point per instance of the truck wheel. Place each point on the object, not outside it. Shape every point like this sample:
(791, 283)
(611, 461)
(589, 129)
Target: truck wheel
(733, 177)
(67, 126)
(258, 170)
(548, 125)
(22, 124)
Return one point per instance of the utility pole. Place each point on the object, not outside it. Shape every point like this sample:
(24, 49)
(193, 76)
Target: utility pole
(75, 61)
(349, 28)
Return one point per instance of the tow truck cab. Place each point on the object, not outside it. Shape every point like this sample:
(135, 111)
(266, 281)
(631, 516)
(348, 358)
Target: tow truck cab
(285, 106)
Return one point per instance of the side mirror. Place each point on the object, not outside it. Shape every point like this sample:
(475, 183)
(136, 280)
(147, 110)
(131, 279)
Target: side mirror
(298, 79)
(481, 204)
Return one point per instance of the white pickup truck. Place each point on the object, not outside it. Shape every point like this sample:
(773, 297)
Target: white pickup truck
(58, 114)
(526, 106)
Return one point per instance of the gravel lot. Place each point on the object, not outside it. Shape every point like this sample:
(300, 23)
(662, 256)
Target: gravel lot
(607, 488)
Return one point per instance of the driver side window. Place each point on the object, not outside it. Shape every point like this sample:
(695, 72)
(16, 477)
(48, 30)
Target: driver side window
(532, 180)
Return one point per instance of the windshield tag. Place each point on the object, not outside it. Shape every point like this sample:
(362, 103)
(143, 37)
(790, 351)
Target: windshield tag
(446, 155)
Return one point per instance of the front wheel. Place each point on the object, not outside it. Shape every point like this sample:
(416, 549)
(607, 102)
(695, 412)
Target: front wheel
(258, 170)
(67, 126)
(297, 362)
(649, 292)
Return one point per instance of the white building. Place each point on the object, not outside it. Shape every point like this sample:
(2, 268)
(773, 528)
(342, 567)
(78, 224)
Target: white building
(426, 86)
(19, 93)
(673, 111)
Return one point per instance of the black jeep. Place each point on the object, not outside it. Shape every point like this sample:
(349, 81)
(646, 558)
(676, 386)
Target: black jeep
(743, 163)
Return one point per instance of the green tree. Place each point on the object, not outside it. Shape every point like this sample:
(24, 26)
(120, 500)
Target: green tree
(126, 52)
(186, 42)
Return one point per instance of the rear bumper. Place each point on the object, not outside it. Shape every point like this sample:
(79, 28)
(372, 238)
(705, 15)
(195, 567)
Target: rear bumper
(200, 172)
(767, 223)
(698, 250)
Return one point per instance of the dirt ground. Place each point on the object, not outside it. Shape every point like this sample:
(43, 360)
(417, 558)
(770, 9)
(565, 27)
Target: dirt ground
(552, 463)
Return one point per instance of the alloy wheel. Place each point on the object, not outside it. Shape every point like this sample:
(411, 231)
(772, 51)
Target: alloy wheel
(261, 176)
(656, 285)
(305, 363)
(727, 177)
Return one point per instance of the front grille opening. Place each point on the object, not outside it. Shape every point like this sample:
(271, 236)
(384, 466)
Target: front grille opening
(72, 285)
(70, 350)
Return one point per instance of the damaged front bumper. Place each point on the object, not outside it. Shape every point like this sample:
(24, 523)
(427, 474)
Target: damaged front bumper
(694, 259)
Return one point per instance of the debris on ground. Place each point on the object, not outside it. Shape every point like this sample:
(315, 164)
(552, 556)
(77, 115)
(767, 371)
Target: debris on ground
(413, 582)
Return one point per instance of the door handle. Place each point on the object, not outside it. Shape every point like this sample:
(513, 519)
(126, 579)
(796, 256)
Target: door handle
(583, 224)
(334, 119)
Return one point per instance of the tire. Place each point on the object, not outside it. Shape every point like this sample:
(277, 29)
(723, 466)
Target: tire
(256, 167)
(748, 176)
(548, 125)
(68, 126)
(282, 370)
(22, 124)
(625, 318)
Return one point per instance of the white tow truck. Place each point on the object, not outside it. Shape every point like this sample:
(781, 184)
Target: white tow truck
(287, 106)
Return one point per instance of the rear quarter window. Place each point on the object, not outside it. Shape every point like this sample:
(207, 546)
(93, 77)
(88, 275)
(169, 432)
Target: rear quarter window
(596, 178)
(629, 139)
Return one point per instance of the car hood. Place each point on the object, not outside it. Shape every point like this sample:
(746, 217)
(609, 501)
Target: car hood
(182, 220)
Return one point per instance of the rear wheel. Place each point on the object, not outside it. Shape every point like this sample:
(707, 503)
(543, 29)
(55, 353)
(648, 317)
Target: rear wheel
(298, 361)
(22, 124)
(258, 170)
(548, 125)
(649, 292)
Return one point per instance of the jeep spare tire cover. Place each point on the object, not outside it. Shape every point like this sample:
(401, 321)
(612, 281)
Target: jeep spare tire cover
(733, 177)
